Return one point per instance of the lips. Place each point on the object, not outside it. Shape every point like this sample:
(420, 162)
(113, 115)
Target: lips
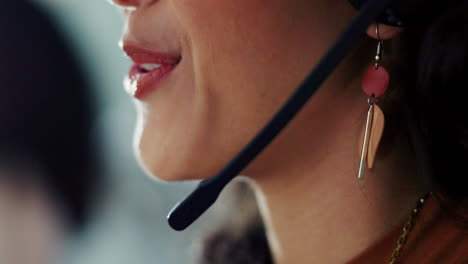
(150, 69)
(126, 2)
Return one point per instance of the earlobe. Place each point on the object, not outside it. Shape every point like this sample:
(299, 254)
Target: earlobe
(385, 32)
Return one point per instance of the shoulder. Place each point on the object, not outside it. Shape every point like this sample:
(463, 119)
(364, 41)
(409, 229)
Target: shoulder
(437, 237)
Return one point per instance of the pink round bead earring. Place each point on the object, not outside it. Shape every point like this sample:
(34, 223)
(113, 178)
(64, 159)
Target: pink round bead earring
(374, 84)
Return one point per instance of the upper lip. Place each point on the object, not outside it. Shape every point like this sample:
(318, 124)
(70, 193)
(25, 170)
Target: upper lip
(141, 54)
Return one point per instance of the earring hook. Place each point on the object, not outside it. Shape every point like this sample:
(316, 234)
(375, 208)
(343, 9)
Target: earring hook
(377, 32)
(378, 57)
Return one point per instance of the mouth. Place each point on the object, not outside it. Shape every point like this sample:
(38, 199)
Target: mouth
(150, 69)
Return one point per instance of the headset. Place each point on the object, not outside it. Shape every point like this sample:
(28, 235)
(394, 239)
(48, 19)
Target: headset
(400, 13)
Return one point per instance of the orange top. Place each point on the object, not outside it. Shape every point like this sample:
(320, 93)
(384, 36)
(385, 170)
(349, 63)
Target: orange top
(435, 239)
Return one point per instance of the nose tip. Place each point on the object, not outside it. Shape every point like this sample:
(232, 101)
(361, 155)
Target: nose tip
(127, 3)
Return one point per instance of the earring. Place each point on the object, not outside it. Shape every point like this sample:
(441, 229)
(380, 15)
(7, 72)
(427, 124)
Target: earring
(374, 84)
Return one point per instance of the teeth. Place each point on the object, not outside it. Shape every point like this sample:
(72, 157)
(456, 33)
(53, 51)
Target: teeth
(149, 66)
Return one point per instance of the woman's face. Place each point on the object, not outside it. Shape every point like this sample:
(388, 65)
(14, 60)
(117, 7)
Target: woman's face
(240, 60)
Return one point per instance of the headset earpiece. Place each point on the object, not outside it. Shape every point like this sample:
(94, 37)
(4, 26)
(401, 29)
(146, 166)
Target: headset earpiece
(403, 13)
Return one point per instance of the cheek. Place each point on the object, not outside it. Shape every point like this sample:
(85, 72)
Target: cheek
(241, 52)
(244, 57)
(230, 26)
(217, 111)
(242, 43)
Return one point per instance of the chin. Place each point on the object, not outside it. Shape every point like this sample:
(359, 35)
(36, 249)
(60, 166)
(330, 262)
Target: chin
(167, 168)
(171, 163)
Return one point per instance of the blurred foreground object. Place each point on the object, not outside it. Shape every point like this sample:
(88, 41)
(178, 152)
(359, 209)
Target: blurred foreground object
(47, 167)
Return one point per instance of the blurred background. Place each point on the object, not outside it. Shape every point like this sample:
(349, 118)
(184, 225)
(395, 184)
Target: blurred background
(70, 188)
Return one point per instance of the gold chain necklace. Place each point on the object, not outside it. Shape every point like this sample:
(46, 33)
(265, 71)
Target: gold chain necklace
(408, 227)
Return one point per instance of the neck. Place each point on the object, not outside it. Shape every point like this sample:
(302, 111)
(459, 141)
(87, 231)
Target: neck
(317, 211)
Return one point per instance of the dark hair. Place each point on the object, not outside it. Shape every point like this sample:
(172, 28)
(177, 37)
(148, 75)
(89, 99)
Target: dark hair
(431, 64)
(428, 64)
(45, 109)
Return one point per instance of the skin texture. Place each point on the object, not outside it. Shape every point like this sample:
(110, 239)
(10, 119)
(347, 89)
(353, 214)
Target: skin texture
(240, 61)
(227, 58)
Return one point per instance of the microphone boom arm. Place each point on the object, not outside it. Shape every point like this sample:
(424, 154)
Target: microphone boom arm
(189, 210)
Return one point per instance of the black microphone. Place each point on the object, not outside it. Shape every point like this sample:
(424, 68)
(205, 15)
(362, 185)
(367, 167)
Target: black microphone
(189, 210)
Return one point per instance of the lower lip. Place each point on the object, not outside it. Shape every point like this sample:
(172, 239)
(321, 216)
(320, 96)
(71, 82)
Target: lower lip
(140, 85)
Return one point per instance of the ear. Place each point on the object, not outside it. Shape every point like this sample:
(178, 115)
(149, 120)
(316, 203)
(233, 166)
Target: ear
(385, 32)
